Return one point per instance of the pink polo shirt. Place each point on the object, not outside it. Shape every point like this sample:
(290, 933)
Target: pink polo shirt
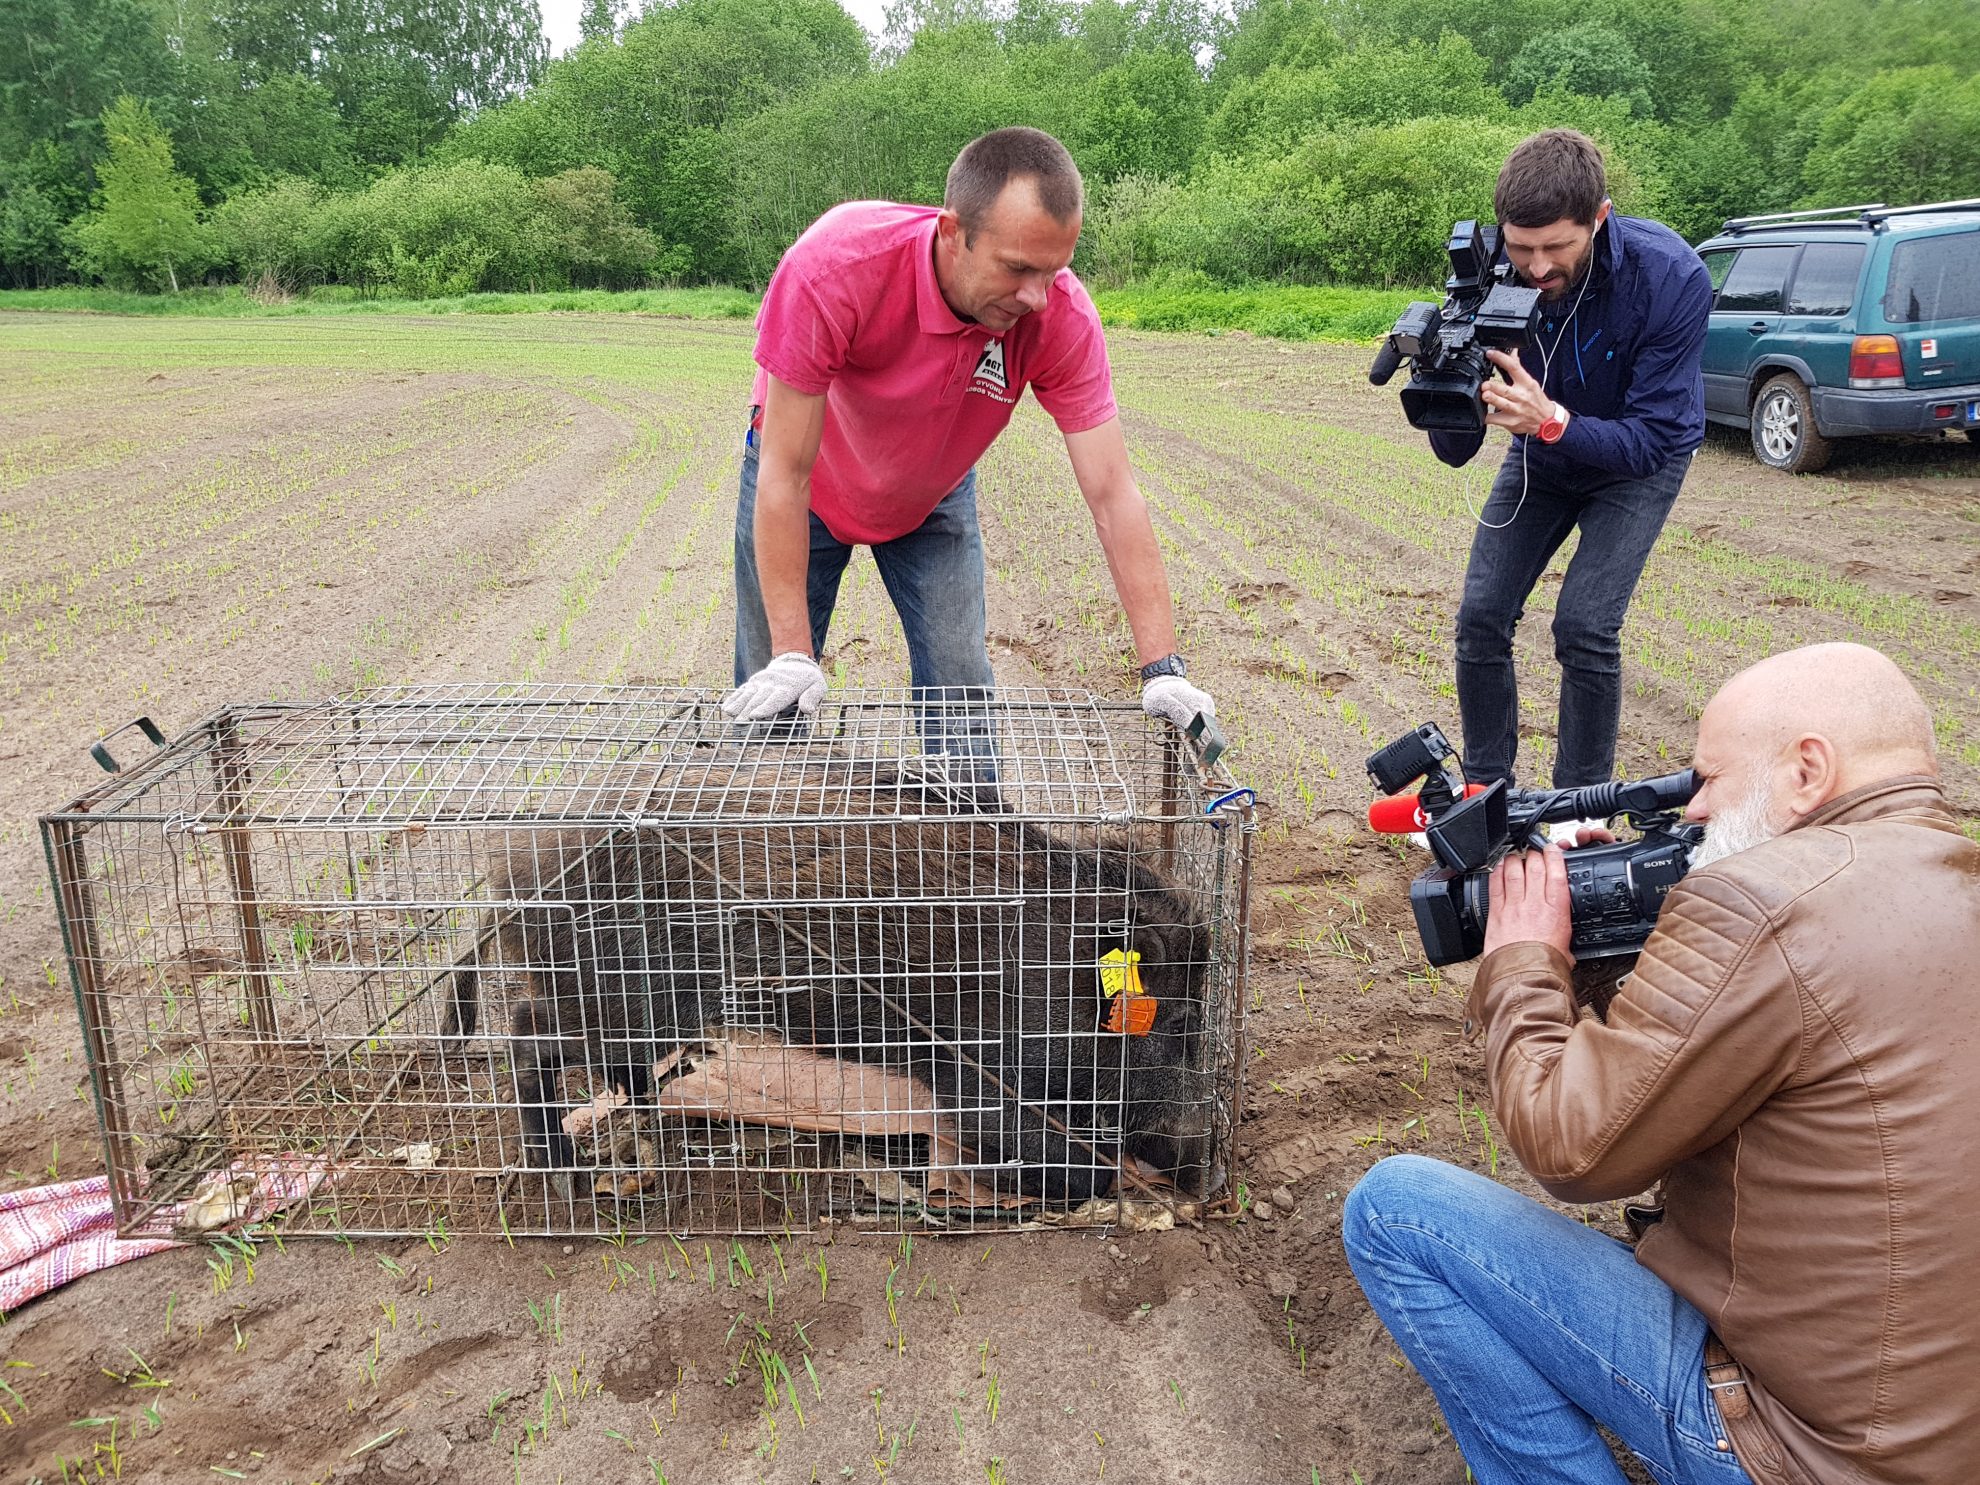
(913, 395)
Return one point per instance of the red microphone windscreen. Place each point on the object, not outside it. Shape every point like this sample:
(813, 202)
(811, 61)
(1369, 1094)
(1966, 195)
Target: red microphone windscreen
(1400, 814)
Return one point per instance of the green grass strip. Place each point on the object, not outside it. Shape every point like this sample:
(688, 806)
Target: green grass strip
(1283, 311)
(1287, 312)
(232, 302)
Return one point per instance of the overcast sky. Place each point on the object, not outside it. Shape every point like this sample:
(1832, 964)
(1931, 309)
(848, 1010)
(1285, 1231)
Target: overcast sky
(560, 19)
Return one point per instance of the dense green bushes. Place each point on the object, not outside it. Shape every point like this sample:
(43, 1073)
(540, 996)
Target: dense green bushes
(1345, 205)
(439, 231)
(1290, 141)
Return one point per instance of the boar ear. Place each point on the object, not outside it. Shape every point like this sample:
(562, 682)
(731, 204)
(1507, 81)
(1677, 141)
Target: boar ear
(1160, 944)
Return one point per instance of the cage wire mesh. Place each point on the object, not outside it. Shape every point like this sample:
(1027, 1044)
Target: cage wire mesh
(565, 960)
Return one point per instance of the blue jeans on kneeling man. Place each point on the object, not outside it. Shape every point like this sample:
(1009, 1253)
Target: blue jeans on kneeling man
(1531, 1329)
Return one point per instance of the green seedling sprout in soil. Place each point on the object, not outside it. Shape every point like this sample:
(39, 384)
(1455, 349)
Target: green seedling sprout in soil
(370, 1444)
(549, 1317)
(12, 1395)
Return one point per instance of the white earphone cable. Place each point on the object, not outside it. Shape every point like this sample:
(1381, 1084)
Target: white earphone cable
(1546, 369)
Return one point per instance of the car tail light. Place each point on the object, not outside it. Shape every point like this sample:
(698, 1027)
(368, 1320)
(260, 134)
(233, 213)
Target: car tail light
(1874, 361)
(1945, 409)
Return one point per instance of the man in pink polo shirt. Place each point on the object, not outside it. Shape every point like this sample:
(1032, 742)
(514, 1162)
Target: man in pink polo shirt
(893, 343)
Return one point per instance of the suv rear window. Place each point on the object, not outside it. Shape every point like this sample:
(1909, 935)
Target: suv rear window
(1825, 280)
(1754, 285)
(1934, 278)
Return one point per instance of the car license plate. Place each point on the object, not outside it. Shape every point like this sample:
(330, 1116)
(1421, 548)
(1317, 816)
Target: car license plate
(1973, 412)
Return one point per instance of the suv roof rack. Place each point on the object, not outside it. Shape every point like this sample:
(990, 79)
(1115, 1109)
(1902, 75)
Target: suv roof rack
(1845, 216)
(1869, 216)
(1873, 215)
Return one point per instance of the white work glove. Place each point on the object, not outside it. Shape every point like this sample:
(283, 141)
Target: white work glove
(1173, 698)
(789, 680)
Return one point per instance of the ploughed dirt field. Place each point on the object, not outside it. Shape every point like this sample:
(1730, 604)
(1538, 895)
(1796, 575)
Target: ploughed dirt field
(193, 513)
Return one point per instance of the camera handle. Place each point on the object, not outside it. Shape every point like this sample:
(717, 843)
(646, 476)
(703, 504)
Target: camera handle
(1657, 796)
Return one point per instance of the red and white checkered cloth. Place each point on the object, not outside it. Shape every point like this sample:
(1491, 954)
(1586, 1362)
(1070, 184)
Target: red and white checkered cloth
(52, 1234)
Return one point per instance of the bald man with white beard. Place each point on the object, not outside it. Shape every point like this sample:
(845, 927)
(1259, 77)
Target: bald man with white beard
(1792, 1064)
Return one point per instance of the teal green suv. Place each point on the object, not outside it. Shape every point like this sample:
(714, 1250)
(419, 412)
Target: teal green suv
(1845, 322)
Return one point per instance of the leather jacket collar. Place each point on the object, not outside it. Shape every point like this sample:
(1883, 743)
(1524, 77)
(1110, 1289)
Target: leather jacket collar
(1913, 791)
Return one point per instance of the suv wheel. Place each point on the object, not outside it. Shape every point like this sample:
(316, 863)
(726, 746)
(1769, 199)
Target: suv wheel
(1784, 435)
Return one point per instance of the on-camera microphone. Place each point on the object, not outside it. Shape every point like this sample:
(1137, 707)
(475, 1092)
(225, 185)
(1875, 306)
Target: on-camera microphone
(1402, 814)
(1388, 357)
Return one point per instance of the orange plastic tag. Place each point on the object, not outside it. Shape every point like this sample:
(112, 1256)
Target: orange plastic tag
(1133, 1014)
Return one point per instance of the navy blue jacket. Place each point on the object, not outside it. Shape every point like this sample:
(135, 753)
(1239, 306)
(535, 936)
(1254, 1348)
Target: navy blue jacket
(1630, 367)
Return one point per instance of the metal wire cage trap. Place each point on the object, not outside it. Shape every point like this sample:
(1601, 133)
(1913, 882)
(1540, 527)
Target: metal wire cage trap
(564, 960)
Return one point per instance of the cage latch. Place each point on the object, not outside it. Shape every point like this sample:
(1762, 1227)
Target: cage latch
(101, 753)
(1208, 736)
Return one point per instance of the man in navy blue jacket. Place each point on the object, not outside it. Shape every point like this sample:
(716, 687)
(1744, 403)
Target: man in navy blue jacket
(1606, 407)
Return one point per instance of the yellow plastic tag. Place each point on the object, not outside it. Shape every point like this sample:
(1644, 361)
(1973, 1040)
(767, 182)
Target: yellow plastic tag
(1120, 970)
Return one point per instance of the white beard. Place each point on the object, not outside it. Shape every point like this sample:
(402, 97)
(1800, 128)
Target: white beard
(1741, 827)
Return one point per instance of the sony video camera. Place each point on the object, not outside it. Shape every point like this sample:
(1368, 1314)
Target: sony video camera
(1616, 890)
(1484, 308)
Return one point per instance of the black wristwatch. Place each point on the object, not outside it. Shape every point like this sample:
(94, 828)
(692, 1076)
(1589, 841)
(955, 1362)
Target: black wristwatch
(1167, 665)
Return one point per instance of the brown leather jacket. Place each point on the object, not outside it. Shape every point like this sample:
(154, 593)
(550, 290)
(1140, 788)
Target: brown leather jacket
(1798, 1057)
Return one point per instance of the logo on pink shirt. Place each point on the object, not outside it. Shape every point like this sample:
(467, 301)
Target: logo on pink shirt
(989, 378)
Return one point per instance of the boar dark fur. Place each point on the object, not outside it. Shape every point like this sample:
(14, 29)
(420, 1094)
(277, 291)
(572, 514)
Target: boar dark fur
(620, 933)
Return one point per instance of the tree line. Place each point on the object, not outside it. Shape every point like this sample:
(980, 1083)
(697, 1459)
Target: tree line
(426, 147)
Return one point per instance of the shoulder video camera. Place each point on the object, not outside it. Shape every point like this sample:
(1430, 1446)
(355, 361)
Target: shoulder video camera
(1616, 890)
(1483, 309)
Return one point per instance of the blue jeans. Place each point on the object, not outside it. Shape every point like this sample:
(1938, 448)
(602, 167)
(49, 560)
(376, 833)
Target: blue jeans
(1620, 521)
(934, 575)
(1532, 1328)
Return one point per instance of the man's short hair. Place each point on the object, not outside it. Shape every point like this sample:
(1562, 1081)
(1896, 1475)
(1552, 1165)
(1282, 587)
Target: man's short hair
(989, 164)
(1554, 174)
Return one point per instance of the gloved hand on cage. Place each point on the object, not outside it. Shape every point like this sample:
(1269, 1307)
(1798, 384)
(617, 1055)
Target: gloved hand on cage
(790, 680)
(1176, 700)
